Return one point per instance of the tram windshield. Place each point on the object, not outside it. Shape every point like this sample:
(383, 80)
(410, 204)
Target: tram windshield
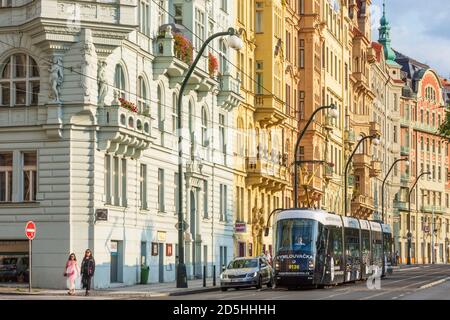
(296, 236)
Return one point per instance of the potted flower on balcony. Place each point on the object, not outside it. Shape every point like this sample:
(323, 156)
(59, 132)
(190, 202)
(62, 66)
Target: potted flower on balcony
(183, 48)
(128, 105)
(213, 65)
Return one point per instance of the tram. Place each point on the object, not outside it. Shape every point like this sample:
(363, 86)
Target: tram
(316, 248)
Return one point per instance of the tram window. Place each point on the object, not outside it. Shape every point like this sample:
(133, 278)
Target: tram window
(336, 234)
(297, 235)
(352, 243)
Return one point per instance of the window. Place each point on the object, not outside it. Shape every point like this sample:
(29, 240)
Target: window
(288, 46)
(223, 57)
(259, 83)
(142, 95)
(29, 176)
(143, 186)
(302, 53)
(174, 112)
(19, 81)
(224, 5)
(160, 109)
(178, 18)
(6, 169)
(5, 3)
(223, 203)
(199, 28)
(119, 81)
(222, 142)
(115, 180)
(204, 127)
(259, 17)
(144, 17)
(205, 199)
(161, 204)
(161, 12)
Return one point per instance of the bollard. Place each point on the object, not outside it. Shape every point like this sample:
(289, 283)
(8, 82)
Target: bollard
(214, 275)
(204, 276)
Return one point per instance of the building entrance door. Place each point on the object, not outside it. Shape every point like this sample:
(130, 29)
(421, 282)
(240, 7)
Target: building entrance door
(114, 261)
(241, 249)
(161, 262)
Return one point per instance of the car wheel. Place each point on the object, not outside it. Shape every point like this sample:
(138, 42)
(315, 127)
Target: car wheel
(259, 285)
(224, 289)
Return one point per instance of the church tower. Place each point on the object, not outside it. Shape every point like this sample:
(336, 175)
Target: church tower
(385, 37)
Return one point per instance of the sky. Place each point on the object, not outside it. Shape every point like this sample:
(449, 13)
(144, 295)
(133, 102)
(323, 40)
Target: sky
(419, 29)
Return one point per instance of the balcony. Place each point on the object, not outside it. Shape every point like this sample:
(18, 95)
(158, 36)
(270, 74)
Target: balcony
(174, 63)
(269, 110)
(362, 207)
(404, 150)
(349, 137)
(123, 132)
(267, 174)
(229, 96)
(375, 129)
(405, 179)
(375, 170)
(361, 161)
(401, 205)
(329, 123)
(430, 209)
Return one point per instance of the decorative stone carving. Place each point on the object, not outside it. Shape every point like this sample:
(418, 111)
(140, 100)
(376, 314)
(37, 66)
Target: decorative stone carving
(88, 52)
(102, 83)
(56, 79)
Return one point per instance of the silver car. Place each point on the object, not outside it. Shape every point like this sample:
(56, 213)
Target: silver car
(247, 272)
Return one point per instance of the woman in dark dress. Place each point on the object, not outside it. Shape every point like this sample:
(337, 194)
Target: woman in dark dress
(87, 270)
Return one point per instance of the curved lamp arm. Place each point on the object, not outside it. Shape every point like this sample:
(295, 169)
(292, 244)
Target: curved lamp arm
(267, 228)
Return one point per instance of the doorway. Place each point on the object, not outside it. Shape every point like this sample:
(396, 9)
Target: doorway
(161, 262)
(114, 261)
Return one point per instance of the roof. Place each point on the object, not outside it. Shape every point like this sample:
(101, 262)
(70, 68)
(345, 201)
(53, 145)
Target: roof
(378, 50)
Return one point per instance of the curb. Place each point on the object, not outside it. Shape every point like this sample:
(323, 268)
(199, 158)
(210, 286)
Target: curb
(435, 283)
(194, 291)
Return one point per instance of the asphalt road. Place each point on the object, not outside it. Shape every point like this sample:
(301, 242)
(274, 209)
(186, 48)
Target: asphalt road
(406, 284)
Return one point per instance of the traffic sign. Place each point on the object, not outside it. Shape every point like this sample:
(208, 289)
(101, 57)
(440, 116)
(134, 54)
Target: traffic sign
(185, 226)
(30, 230)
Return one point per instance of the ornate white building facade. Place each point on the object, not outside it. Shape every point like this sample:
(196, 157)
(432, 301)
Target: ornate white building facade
(72, 145)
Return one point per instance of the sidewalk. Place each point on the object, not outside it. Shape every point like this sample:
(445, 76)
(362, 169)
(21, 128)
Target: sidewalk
(135, 291)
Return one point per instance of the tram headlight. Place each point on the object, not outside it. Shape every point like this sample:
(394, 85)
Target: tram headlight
(277, 266)
(311, 263)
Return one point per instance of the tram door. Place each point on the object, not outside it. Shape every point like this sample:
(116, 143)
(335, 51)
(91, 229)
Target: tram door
(336, 263)
(365, 253)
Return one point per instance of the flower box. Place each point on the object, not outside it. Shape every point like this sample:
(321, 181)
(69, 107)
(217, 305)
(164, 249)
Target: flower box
(213, 65)
(183, 48)
(128, 105)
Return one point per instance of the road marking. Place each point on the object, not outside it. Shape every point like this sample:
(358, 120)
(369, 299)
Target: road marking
(435, 283)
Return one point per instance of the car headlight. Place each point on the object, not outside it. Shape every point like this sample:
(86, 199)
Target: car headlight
(252, 275)
(311, 264)
(223, 276)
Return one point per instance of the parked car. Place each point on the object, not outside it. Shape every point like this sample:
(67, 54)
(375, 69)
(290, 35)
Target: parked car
(14, 269)
(247, 272)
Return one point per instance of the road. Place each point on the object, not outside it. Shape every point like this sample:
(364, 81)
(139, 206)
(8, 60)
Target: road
(405, 284)
(402, 285)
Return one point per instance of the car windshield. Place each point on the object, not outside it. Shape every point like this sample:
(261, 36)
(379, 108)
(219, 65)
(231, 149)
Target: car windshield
(296, 236)
(243, 263)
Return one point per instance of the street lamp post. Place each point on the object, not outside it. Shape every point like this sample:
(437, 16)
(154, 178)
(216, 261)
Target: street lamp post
(376, 141)
(236, 43)
(409, 235)
(334, 113)
(384, 184)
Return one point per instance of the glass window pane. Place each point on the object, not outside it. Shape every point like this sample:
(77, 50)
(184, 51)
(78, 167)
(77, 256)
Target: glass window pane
(20, 63)
(6, 160)
(29, 159)
(34, 69)
(5, 94)
(6, 69)
(35, 89)
(21, 93)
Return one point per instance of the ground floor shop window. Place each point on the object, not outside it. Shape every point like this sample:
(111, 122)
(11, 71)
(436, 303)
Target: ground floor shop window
(14, 261)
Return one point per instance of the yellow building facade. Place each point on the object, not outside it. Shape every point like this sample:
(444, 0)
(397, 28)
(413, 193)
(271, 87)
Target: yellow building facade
(266, 121)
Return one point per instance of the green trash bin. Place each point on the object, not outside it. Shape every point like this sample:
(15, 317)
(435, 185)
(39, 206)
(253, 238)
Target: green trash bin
(145, 270)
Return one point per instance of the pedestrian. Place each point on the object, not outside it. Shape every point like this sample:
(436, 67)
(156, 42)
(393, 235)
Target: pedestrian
(72, 272)
(268, 257)
(87, 270)
(397, 258)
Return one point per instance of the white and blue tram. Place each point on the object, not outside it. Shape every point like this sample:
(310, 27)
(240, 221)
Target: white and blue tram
(316, 248)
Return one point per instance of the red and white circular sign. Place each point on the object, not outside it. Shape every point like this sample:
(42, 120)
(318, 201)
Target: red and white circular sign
(30, 230)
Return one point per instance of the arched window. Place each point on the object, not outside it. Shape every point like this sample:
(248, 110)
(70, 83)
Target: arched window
(240, 137)
(174, 112)
(119, 81)
(204, 127)
(223, 57)
(362, 147)
(142, 94)
(160, 108)
(19, 81)
(191, 118)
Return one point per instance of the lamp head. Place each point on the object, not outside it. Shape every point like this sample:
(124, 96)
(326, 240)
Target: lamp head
(333, 112)
(376, 140)
(235, 41)
(407, 162)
